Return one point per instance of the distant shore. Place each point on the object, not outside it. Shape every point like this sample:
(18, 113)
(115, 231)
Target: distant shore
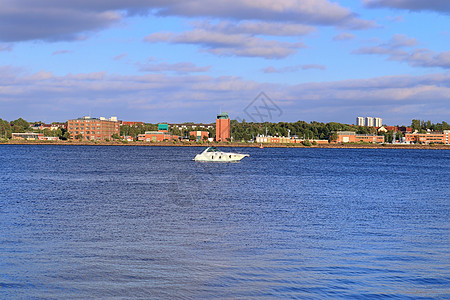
(250, 145)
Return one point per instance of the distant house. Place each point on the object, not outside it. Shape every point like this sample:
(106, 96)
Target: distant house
(127, 138)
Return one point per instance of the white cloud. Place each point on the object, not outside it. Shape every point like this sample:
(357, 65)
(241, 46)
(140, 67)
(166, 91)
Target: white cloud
(256, 28)
(441, 6)
(153, 97)
(395, 50)
(120, 56)
(295, 68)
(181, 67)
(344, 36)
(220, 43)
(314, 12)
(58, 52)
(54, 20)
(6, 47)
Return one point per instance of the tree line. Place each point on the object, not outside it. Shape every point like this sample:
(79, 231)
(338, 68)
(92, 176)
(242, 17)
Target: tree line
(240, 131)
(20, 126)
(243, 131)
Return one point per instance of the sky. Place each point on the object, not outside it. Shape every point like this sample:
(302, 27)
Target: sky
(259, 60)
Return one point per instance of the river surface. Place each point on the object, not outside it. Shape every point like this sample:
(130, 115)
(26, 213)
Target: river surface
(111, 222)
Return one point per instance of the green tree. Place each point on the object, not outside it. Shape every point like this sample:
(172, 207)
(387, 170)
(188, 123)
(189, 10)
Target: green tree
(415, 124)
(20, 125)
(333, 136)
(65, 136)
(5, 129)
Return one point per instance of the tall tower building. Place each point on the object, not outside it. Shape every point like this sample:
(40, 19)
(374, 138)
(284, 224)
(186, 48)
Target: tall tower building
(378, 122)
(223, 128)
(369, 122)
(360, 121)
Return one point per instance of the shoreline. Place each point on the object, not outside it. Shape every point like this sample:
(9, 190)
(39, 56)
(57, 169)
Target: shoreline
(242, 145)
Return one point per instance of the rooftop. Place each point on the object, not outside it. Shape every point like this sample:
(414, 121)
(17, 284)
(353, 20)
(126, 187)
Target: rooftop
(222, 116)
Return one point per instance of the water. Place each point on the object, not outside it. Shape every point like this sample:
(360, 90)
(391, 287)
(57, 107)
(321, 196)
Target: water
(94, 222)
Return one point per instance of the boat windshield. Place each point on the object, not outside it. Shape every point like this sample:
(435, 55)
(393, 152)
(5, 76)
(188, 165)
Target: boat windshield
(212, 149)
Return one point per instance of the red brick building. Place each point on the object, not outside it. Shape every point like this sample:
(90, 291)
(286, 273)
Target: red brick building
(158, 136)
(427, 138)
(199, 135)
(223, 128)
(352, 137)
(92, 128)
(131, 124)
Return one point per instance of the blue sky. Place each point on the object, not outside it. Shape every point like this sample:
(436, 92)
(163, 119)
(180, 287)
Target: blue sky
(182, 61)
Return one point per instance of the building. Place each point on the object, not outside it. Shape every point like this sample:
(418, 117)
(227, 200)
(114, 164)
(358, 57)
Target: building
(405, 129)
(40, 126)
(285, 140)
(223, 128)
(184, 126)
(27, 136)
(273, 139)
(378, 122)
(163, 127)
(369, 121)
(32, 136)
(199, 135)
(427, 138)
(352, 137)
(131, 124)
(92, 128)
(158, 136)
(392, 128)
(360, 121)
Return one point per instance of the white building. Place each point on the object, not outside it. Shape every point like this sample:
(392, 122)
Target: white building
(360, 121)
(378, 122)
(369, 122)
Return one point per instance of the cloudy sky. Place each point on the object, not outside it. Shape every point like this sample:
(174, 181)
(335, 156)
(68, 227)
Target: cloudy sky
(181, 61)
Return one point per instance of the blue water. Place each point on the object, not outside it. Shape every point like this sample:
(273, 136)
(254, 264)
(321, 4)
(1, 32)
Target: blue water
(88, 222)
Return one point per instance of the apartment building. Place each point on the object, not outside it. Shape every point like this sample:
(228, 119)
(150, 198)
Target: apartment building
(360, 121)
(93, 128)
(369, 122)
(378, 122)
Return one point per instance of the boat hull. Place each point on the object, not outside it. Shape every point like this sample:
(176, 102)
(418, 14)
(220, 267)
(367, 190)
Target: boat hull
(220, 157)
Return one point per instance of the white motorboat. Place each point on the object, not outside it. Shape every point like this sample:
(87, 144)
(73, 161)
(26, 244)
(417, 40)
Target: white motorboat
(215, 155)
